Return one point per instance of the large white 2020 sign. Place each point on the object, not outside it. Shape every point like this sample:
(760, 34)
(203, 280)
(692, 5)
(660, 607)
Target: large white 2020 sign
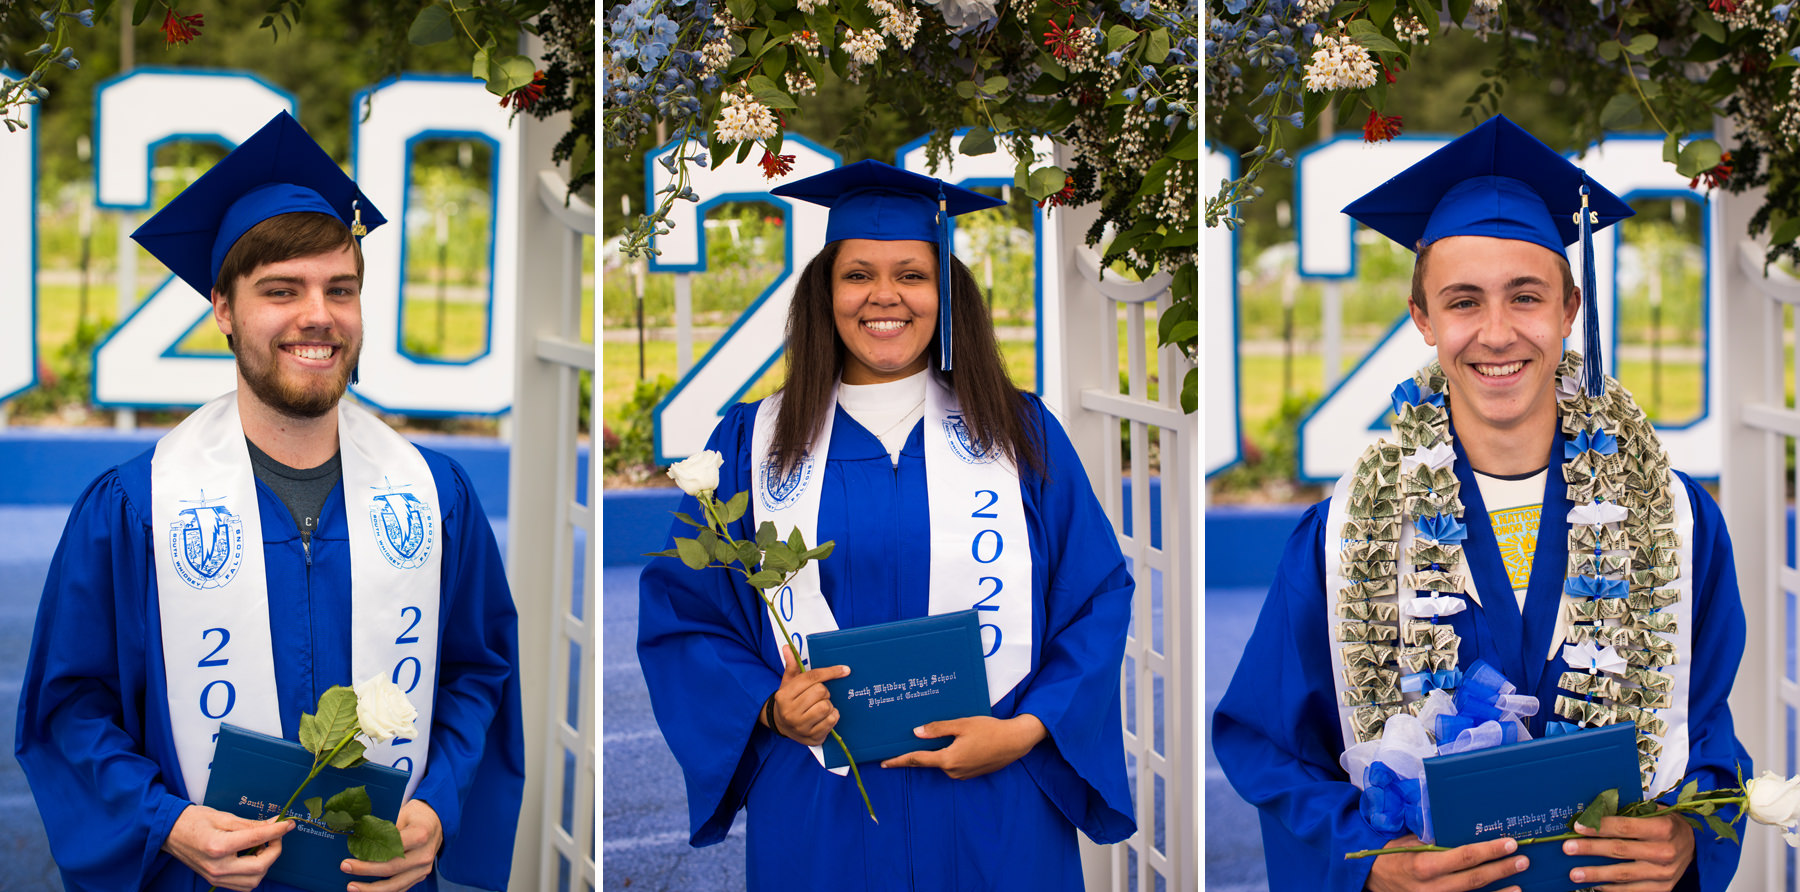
(1348, 419)
(18, 252)
(140, 364)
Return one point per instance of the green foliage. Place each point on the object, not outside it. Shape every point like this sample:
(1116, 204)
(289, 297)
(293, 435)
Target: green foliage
(1272, 460)
(375, 840)
(334, 720)
(636, 448)
(64, 380)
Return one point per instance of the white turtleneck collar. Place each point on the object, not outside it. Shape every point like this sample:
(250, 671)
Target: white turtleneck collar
(888, 410)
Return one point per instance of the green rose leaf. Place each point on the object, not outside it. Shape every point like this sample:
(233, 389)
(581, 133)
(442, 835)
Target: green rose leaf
(314, 806)
(350, 756)
(978, 141)
(707, 539)
(764, 579)
(311, 736)
(667, 552)
(722, 551)
(765, 534)
(1621, 112)
(748, 554)
(692, 554)
(1158, 47)
(353, 801)
(796, 541)
(335, 718)
(339, 822)
(431, 25)
(1699, 155)
(1604, 805)
(734, 509)
(822, 552)
(780, 558)
(375, 839)
(688, 520)
(1688, 790)
(1721, 829)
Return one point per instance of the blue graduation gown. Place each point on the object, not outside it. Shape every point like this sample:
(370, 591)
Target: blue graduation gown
(1276, 730)
(93, 732)
(706, 650)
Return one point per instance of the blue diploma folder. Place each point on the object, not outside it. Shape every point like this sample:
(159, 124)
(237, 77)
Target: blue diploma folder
(253, 774)
(902, 675)
(1535, 788)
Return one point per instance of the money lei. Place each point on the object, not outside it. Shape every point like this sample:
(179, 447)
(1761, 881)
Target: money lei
(1613, 460)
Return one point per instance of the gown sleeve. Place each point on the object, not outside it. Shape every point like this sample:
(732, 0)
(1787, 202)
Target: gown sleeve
(1714, 753)
(81, 726)
(1276, 732)
(475, 772)
(1074, 690)
(701, 648)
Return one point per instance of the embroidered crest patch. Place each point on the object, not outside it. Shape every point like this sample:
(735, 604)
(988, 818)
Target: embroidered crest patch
(404, 527)
(206, 544)
(956, 431)
(781, 491)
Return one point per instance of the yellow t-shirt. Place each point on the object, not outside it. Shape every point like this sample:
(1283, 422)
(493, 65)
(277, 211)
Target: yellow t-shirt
(1514, 506)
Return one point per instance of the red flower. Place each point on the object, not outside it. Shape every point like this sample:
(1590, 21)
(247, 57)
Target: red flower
(181, 28)
(1058, 40)
(1716, 175)
(776, 165)
(1725, 6)
(1380, 128)
(1058, 199)
(1388, 72)
(525, 97)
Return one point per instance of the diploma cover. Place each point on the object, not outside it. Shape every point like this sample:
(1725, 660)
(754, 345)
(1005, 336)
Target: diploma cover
(1535, 788)
(902, 675)
(253, 774)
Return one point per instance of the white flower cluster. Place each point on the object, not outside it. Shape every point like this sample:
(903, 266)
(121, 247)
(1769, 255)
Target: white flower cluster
(1486, 16)
(1789, 111)
(800, 83)
(808, 41)
(898, 22)
(744, 119)
(1742, 14)
(1175, 204)
(1311, 10)
(722, 18)
(1412, 30)
(1339, 63)
(715, 55)
(1087, 44)
(808, 6)
(864, 46)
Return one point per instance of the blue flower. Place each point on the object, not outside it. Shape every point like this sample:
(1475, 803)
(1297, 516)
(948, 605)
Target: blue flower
(1236, 6)
(1147, 73)
(1780, 12)
(1137, 9)
(1151, 104)
(1297, 119)
(48, 20)
(1131, 94)
(1115, 57)
(1795, 52)
(85, 17)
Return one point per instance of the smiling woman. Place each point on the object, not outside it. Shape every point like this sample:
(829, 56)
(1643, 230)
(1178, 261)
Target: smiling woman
(898, 437)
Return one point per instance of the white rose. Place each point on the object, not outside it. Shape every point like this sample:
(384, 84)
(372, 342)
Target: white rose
(383, 711)
(966, 14)
(1773, 799)
(698, 473)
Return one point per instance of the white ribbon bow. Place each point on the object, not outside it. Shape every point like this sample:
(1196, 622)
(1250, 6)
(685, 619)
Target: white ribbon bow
(1597, 513)
(1590, 655)
(1436, 458)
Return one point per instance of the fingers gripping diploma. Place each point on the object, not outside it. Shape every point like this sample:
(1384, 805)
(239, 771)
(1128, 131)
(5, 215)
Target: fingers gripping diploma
(1653, 853)
(983, 744)
(1457, 870)
(421, 834)
(210, 841)
(803, 709)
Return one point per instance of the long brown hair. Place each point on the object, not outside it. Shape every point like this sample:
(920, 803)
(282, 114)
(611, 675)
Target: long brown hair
(997, 415)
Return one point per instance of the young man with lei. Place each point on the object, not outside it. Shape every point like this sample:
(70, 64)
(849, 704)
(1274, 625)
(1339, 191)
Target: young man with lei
(1617, 602)
(277, 542)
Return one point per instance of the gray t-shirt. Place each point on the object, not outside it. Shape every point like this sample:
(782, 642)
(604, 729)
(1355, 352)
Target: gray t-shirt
(302, 490)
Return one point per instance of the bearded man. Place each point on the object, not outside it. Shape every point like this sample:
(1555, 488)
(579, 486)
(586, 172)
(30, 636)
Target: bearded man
(278, 542)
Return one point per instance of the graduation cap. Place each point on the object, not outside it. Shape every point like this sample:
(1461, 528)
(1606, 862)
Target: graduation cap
(1498, 180)
(278, 170)
(877, 201)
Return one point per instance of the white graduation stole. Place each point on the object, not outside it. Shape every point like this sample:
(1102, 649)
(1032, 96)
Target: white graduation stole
(212, 590)
(980, 550)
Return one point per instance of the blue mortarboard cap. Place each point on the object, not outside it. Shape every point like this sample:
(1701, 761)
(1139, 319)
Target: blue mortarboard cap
(278, 170)
(1499, 181)
(878, 201)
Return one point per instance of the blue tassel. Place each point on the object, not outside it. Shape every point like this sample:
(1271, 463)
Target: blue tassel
(1592, 371)
(943, 221)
